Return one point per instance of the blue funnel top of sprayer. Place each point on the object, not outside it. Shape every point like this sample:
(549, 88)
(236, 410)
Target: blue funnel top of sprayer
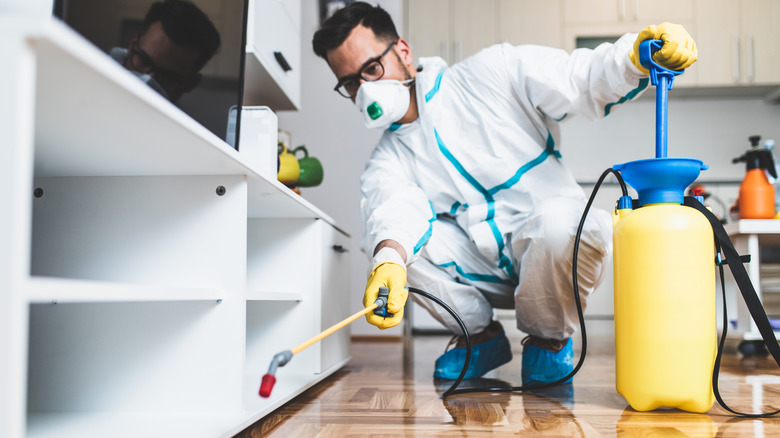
(660, 179)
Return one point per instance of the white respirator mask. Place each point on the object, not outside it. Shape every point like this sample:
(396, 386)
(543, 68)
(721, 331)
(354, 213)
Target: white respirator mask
(120, 55)
(383, 102)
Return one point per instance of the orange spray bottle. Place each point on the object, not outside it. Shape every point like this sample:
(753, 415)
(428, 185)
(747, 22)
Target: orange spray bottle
(757, 194)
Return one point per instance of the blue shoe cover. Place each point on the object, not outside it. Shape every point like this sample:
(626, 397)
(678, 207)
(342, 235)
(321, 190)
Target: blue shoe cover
(484, 357)
(544, 366)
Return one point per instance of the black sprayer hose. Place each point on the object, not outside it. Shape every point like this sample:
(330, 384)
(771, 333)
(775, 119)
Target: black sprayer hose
(465, 335)
(453, 389)
(722, 345)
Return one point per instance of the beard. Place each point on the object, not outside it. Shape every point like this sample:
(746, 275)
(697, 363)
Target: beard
(404, 68)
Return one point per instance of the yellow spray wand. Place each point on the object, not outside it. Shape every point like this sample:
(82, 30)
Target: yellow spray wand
(280, 359)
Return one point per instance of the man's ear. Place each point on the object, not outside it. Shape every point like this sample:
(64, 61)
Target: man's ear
(405, 51)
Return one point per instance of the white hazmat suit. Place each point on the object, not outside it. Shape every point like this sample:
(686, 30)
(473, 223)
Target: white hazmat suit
(475, 191)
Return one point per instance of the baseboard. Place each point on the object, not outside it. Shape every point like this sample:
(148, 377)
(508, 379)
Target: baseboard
(376, 339)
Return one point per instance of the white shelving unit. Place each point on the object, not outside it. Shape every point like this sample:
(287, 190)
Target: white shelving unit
(148, 275)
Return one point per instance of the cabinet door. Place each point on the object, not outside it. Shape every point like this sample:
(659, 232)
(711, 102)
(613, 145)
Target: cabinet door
(273, 64)
(594, 11)
(610, 12)
(647, 12)
(474, 27)
(531, 22)
(335, 300)
(429, 28)
(451, 29)
(718, 40)
(761, 65)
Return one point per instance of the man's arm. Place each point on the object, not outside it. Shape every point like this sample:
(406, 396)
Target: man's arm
(391, 244)
(592, 83)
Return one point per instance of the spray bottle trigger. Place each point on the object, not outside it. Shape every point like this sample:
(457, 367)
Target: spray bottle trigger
(381, 302)
(769, 163)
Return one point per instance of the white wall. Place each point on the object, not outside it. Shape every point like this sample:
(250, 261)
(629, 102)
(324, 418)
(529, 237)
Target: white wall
(711, 129)
(714, 130)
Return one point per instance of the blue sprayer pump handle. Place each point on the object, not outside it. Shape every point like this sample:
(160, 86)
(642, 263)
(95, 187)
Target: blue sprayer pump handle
(660, 179)
(662, 78)
(646, 50)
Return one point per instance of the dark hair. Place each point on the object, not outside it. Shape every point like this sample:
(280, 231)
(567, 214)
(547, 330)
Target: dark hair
(187, 25)
(336, 29)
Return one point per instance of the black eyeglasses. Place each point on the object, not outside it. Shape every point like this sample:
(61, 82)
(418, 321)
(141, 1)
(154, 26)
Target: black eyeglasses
(140, 61)
(372, 70)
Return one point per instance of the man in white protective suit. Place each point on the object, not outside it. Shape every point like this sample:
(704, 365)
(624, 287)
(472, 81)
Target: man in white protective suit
(465, 195)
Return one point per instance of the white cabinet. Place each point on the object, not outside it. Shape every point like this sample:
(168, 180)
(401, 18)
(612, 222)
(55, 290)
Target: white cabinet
(737, 42)
(610, 14)
(735, 38)
(531, 22)
(451, 29)
(297, 286)
(457, 29)
(273, 58)
(428, 26)
(148, 273)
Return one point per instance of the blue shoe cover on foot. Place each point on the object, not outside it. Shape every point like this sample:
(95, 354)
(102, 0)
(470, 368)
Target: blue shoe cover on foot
(484, 357)
(544, 366)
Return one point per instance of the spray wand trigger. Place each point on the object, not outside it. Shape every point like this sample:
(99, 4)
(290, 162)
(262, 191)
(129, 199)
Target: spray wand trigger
(381, 302)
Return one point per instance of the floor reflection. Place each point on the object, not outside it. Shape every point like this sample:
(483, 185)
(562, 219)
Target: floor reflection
(388, 389)
(675, 423)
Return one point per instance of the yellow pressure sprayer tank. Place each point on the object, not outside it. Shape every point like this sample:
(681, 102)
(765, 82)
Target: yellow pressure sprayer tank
(664, 278)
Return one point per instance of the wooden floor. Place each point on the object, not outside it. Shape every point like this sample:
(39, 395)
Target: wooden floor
(383, 392)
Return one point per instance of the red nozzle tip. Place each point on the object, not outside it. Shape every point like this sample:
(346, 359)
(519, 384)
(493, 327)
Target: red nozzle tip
(697, 190)
(268, 384)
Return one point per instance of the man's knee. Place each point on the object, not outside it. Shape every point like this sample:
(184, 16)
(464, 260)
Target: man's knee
(553, 223)
(552, 228)
(558, 220)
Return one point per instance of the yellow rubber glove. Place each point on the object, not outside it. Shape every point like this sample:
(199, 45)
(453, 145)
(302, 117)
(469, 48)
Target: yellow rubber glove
(392, 276)
(678, 52)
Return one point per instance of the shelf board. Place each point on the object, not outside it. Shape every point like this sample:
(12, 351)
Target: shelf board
(60, 290)
(165, 424)
(754, 226)
(84, 98)
(254, 295)
(274, 200)
(130, 425)
(101, 101)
